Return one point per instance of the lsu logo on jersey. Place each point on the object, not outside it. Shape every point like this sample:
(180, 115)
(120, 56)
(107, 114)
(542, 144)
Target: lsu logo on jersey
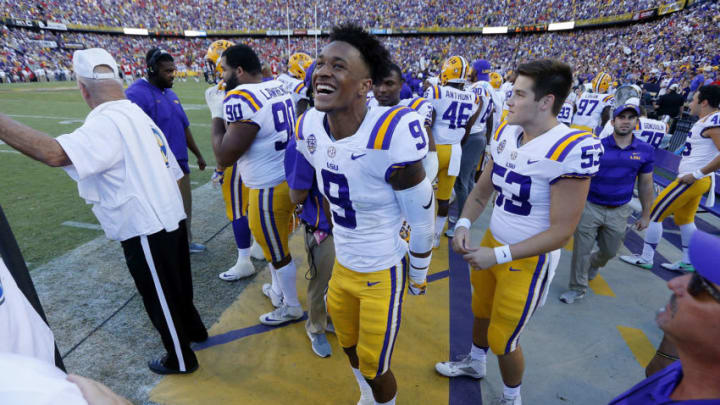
(161, 145)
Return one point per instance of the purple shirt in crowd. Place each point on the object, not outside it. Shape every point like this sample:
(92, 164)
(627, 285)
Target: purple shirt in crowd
(164, 107)
(614, 183)
(656, 390)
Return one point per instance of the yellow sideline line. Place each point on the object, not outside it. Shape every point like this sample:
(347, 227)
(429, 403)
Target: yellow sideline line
(639, 344)
(601, 287)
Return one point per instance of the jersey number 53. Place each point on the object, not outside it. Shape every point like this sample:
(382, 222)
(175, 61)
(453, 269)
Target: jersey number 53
(513, 190)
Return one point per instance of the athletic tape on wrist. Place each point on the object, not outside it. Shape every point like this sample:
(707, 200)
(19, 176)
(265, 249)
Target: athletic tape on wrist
(502, 254)
(698, 174)
(463, 222)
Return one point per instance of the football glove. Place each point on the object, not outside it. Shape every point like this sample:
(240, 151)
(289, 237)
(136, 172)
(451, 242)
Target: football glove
(217, 177)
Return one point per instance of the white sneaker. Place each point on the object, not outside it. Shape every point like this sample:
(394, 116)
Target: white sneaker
(243, 268)
(636, 260)
(463, 367)
(256, 251)
(508, 401)
(679, 266)
(282, 315)
(276, 299)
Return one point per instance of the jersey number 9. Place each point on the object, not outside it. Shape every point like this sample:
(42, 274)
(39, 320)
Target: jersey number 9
(337, 191)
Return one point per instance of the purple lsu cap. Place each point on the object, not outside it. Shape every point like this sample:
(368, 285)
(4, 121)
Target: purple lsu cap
(625, 107)
(703, 255)
(482, 69)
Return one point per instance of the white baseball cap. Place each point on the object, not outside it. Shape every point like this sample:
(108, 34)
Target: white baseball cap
(85, 61)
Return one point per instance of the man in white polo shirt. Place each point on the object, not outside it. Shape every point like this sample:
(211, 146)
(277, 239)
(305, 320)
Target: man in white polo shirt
(125, 169)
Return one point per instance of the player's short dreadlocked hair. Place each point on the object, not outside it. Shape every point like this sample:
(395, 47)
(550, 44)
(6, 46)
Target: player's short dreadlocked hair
(373, 52)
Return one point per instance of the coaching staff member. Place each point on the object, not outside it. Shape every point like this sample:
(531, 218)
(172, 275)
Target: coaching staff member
(123, 167)
(154, 96)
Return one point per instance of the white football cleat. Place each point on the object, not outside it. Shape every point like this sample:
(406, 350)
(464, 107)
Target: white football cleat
(508, 401)
(282, 315)
(276, 299)
(243, 268)
(466, 366)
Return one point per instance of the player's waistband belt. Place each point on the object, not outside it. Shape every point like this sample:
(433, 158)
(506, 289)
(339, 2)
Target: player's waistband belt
(612, 207)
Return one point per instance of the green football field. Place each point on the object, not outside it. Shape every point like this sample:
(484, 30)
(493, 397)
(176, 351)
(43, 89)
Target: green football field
(38, 199)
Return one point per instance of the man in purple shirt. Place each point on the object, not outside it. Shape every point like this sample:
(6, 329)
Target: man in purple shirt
(690, 320)
(607, 209)
(319, 244)
(154, 97)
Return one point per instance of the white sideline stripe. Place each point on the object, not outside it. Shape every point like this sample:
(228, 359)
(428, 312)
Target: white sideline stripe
(9, 151)
(47, 117)
(163, 302)
(83, 225)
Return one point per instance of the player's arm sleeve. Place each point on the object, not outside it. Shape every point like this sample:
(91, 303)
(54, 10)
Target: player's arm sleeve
(298, 171)
(579, 159)
(241, 106)
(418, 206)
(93, 148)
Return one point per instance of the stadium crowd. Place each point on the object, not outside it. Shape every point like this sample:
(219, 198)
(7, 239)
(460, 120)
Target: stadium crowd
(206, 14)
(682, 45)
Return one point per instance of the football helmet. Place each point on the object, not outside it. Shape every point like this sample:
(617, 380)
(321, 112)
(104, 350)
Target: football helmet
(298, 64)
(623, 94)
(496, 80)
(455, 70)
(212, 60)
(601, 83)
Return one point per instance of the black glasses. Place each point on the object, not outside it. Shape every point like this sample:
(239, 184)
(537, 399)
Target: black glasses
(699, 284)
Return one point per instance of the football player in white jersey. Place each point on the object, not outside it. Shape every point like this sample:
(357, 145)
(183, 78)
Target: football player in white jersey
(260, 117)
(235, 194)
(506, 92)
(681, 198)
(387, 94)
(473, 148)
(294, 80)
(368, 166)
(567, 111)
(540, 170)
(456, 111)
(593, 108)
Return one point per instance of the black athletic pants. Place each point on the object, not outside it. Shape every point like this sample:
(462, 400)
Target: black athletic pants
(160, 265)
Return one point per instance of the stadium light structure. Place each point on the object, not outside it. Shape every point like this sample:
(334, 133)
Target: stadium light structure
(135, 31)
(192, 33)
(494, 30)
(562, 26)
